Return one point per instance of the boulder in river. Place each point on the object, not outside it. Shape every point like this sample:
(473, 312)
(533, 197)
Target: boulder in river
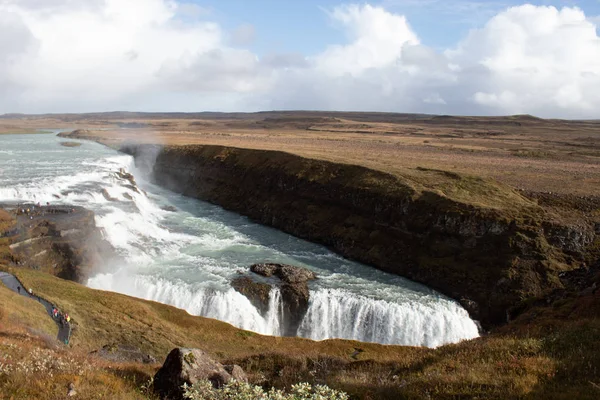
(122, 174)
(294, 292)
(267, 270)
(107, 195)
(287, 273)
(295, 297)
(70, 144)
(257, 292)
(188, 366)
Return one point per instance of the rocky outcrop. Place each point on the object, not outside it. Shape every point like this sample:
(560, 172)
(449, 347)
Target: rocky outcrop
(287, 273)
(71, 144)
(293, 285)
(60, 240)
(107, 195)
(474, 240)
(257, 292)
(122, 174)
(188, 366)
(294, 298)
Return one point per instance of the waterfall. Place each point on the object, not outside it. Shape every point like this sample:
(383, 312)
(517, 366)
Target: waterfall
(335, 313)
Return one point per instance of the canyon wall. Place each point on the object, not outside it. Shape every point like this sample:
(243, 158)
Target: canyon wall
(491, 259)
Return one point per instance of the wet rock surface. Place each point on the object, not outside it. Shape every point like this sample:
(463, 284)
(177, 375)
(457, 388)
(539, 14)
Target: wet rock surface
(71, 144)
(257, 292)
(107, 195)
(293, 284)
(287, 273)
(188, 366)
(295, 298)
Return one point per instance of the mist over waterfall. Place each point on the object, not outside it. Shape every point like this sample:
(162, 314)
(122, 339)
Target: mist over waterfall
(185, 253)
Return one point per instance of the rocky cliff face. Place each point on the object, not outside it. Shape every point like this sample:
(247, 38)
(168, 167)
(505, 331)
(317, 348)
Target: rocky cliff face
(492, 259)
(60, 240)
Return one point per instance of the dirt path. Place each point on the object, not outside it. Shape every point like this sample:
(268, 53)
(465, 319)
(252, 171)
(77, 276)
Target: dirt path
(11, 282)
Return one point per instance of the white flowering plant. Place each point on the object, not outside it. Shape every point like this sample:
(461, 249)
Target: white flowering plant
(235, 390)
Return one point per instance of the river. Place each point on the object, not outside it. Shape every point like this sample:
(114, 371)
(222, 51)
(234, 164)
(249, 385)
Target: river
(187, 258)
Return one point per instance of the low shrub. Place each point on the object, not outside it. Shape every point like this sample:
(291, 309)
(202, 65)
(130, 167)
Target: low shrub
(234, 390)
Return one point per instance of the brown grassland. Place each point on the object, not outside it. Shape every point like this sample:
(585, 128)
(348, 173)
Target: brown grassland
(560, 360)
(522, 151)
(552, 351)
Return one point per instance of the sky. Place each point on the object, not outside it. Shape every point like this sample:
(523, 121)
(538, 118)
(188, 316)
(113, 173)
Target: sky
(462, 57)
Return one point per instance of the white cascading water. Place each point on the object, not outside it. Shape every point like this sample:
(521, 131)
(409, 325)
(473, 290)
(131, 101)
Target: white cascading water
(188, 257)
(334, 314)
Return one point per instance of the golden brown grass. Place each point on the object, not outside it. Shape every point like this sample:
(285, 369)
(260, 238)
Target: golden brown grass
(537, 155)
(31, 367)
(559, 360)
(7, 222)
(19, 310)
(523, 152)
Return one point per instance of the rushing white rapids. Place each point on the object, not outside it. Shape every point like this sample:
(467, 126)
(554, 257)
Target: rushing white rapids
(188, 257)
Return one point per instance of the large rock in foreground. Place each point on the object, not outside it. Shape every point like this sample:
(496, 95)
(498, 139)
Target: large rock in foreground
(188, 366)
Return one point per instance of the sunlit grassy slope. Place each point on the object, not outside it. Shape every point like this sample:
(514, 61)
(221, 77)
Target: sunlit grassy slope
(562, 360)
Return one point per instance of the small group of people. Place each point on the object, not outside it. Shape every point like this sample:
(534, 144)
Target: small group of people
(58, 316)
(31, 210)
(63, 319)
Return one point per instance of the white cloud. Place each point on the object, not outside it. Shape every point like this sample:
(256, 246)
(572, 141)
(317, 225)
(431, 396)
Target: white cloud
(535, 59)
(377, 36)
(100, 54)
(84, 55)
(191, 10)
(527, 59)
